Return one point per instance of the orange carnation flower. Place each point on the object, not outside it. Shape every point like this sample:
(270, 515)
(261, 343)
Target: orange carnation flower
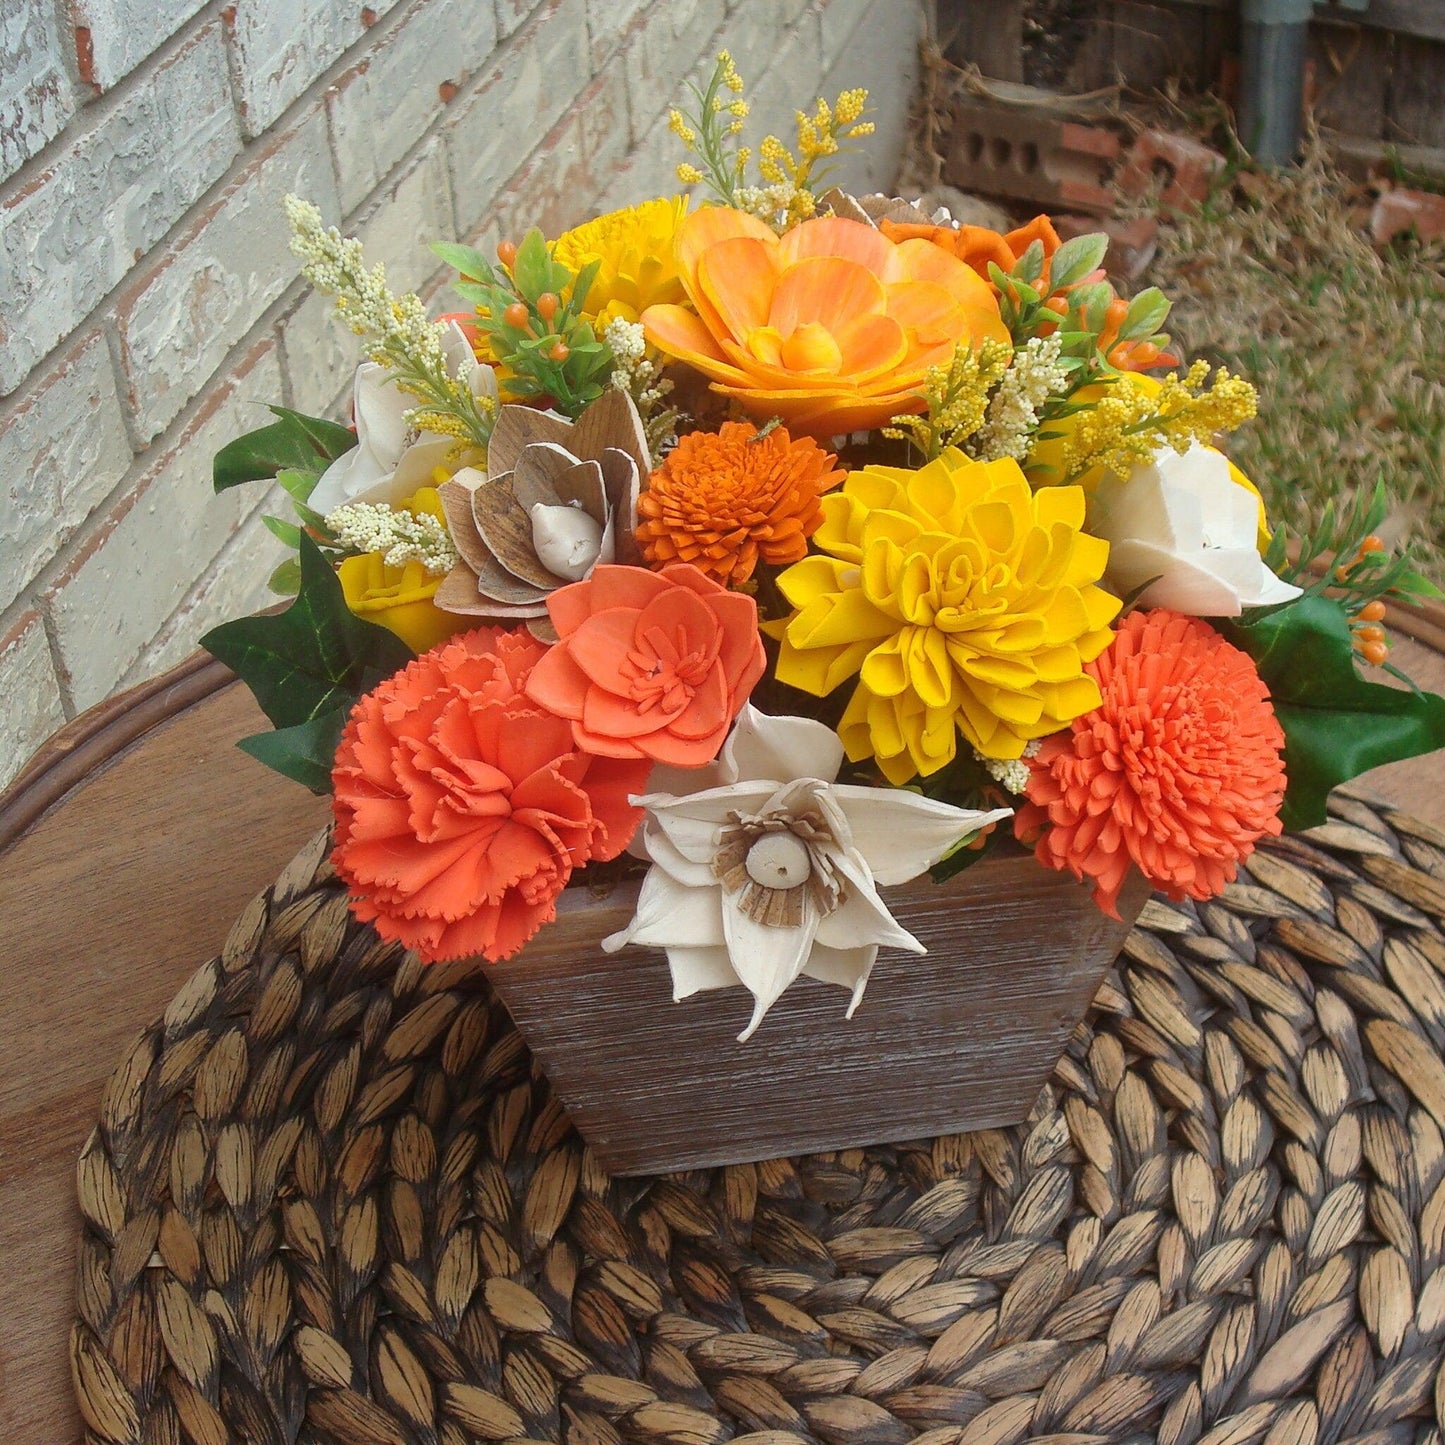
(462, 807)
(650, 664)
(723, 499)
(830, 326)
(976, 246)
(1177, 771)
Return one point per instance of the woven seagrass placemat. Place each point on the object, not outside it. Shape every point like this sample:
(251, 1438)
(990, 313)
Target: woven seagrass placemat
(329, 1199)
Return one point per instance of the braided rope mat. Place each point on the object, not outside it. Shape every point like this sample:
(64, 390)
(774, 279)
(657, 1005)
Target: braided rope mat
(330, 1200)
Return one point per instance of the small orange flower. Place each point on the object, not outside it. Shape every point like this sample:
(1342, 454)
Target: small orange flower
(976, 246)
(462, 807)
(1178, 771)
(724, 499)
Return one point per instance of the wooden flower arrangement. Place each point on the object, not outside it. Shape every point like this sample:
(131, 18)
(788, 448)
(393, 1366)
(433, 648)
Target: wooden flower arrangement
(675, 626)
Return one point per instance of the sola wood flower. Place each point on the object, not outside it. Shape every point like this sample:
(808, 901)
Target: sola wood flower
(830, 326)
(764, 868)
(965, 603)
(1178, 770)
(724, 499)
(1183, 525)
(391, 459)
(462, 807)
(650, 664)
(558, 498)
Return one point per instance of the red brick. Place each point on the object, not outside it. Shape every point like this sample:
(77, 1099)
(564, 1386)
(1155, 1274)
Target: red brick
(1186, 167)
(1398, 211)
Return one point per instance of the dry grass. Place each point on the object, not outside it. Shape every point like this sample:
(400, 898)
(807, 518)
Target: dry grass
(1275, 278)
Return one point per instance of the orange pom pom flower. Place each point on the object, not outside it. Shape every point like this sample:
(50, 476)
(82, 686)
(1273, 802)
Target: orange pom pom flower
(462, 807)
(724, 499)
(650, 664)
(1178, 771)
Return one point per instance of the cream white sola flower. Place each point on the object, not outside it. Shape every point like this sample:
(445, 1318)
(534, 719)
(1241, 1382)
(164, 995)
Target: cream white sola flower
(764, 868)
(391, 458)
(1185, 527)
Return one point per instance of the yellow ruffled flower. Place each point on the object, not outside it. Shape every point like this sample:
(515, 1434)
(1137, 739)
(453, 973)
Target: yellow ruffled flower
(400, 598)
(634, 247)
(964, 601)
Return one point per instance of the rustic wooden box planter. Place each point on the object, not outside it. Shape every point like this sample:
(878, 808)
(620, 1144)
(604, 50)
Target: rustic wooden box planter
(962, 1038)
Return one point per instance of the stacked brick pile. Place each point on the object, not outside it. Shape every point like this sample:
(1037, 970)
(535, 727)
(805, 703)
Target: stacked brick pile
(149, 306)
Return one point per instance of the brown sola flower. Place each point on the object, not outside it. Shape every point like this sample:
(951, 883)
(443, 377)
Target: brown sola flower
(558, 498)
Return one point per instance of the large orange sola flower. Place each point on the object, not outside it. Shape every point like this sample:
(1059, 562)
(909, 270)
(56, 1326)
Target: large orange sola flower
(1177, 771)
(650, 664)
(830, 326)
(462, 807)
(724, 499)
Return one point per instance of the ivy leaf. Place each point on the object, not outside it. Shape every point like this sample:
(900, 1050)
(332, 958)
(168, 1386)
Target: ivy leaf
(303, 753)
(315, 657)
(294, 443)
(1336, 725)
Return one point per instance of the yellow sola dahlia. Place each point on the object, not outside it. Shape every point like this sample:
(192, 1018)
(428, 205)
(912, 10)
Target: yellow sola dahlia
(965, 603)
(634, 247)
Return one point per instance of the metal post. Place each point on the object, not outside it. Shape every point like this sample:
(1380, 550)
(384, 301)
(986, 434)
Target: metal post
(1271, 80)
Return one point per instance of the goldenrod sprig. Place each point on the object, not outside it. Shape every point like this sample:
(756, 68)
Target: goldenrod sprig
(711, 133)
(957, 397)
(396, 329)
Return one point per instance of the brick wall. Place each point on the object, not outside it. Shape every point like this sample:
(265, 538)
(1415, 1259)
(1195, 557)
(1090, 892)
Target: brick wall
(148, 304)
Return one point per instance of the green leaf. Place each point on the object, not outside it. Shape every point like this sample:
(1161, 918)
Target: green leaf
(1075, 259)
(314, 657)
(287, 533)
(1030, 266)
(294, 443)
(1336, 725)
(303, 753)
(582, 285)
(471, 291)
(298, 485)
(1145, 315)
(532, 270)
(959, 857)
(466, 260)
(286, 579)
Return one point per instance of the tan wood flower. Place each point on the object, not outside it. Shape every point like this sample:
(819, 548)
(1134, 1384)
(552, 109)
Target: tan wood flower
(557, 498)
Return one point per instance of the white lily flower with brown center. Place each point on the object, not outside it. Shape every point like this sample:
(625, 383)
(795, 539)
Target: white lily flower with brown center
(764, 867)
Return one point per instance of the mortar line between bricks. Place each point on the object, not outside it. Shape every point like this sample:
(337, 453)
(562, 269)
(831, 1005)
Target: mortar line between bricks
(63, 686)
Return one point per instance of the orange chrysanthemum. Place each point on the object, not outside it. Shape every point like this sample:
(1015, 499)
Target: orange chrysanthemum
(462, 806)
(1177, 771)
(724, 499)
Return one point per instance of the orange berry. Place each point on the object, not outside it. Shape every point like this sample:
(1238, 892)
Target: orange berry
(1115, 313)
(1374, 653)
(1370, 632)
(1143, 353)
(1371, 544)
(547, 305)
(1058, 305)
(515, 315)
(507, 253)
(559, 352)
(1373, 611)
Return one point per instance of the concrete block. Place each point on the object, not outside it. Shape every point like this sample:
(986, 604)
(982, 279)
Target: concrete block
(117, 593)
(280, 49)
(213, 282)
(31, 691)
(117, 186)
(63, 449)
(529, 86)
(386, 102)
(112, 37)
(37, 95)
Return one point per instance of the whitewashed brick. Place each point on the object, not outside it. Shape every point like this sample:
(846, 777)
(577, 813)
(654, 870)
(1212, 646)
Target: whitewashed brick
(670, 45)
(117, 594)
(112, 37)
(28, 684)
(512, 14)
(213, 282)
(37, 95)
(383, 105)
(280, 49)
(319, 356)
(839, 19)
(554, 190)
(63, 448)
(490, 132)
(235, 586)
(413, 210)
(121, 181)
(649, 169)
(607, 23)
(880, 53)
